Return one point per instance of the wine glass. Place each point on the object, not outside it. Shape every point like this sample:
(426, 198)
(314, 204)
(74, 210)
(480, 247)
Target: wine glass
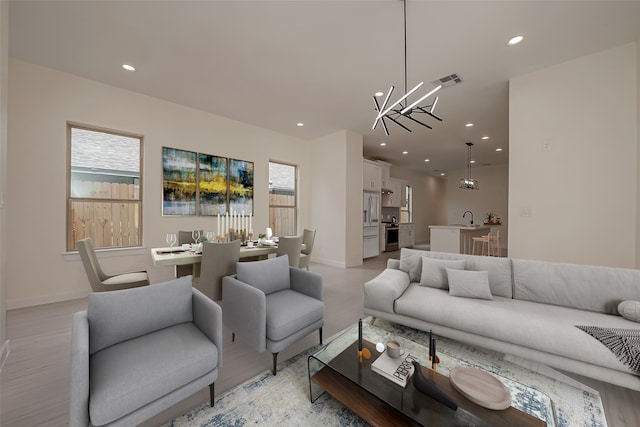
(211, 236)
(196, 235)
(171, 240)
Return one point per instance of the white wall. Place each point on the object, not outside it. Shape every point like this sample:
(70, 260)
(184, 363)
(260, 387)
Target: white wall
(576, 201)
(429, 200)
(42, 100)
(4, 85)
(334, 210)
(493, 196)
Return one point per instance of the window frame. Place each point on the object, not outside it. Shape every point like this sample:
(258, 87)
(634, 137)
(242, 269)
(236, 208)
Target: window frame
(70, 241)
(295, 196)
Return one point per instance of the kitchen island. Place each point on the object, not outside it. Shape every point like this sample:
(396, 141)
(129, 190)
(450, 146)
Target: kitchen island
(455, 238)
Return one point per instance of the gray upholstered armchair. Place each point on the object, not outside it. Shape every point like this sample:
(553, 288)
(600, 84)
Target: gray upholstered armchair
(271, 305)
(136, 352)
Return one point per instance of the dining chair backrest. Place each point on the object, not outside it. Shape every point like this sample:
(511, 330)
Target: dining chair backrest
(291, 246)
(90, 262)
(185, 237)
(308, 236)
(218, 260)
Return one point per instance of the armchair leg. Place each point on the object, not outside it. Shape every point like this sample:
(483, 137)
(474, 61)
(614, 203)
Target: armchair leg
(320, 332)
(275, 362)
(212, 387)
(233, 337)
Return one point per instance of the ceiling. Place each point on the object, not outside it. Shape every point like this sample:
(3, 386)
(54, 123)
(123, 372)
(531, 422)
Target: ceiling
(276, 63)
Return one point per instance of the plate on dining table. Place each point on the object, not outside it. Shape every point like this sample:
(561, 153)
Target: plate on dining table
(171, 251)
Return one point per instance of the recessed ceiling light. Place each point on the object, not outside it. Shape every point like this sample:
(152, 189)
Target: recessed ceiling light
(128, 67)
(300, 124)
(383, 143)
(498, 149)
(515, 40)
(427, 160)
(472, 161)
(485, 137)
(379, 93)
(405, 152)
(469, 125)
(442, 174)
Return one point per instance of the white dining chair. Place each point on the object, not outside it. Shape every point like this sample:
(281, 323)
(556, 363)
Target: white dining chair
(290, 246)
(308, 236)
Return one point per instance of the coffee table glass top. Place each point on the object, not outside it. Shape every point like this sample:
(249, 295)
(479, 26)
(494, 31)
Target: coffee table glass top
(336, 355)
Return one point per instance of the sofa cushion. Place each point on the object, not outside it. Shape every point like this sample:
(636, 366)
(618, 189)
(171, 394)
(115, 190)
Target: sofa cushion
(523, 323)
(469, 284)
(117, 316)
(381, 292)
(270, 275)
(290, 311)
(412, 265)
(131, 374)
(630, 310)
(434, 272)
(586, 287)
(500, 273)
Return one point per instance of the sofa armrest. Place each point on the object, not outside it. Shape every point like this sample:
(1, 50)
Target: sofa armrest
(381, 292)
(207, 316)
(245, 311)
(79, 396)
(306, 282)
(393, 264)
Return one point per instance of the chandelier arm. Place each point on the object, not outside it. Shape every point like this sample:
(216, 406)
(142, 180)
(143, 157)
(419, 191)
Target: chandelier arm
(399, 124)
(418, 121)
(377, 108)
(429, 113)
(384, 126)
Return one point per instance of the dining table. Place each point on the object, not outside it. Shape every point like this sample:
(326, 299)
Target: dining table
(171, 257)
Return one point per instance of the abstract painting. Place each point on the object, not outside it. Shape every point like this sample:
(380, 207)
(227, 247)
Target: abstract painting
(241, 186)
(212, 185)
(178, 182)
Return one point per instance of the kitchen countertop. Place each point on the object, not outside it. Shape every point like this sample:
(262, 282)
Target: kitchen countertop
(461, 226)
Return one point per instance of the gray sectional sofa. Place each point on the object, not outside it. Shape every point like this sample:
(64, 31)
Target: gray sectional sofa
(531, 308)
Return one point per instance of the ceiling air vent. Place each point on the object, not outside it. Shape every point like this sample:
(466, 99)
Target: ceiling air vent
(450, 80)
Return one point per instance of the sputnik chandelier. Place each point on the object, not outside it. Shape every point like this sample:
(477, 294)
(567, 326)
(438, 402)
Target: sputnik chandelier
(401, 108)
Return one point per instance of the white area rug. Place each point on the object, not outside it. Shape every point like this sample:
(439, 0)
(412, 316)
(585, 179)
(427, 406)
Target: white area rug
(283, 400)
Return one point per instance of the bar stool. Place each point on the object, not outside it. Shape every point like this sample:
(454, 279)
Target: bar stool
(483, 242)
(497, 249)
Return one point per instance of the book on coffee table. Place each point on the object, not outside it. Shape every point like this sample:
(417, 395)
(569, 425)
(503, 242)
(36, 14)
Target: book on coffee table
(398, 370)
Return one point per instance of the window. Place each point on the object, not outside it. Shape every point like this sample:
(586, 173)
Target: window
(406, 210)
(104, 199)
(282, 199)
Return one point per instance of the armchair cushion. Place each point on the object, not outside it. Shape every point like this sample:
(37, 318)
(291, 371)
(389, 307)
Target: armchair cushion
(117, 316)
(270, 275)
(289, 311)
(134, 373)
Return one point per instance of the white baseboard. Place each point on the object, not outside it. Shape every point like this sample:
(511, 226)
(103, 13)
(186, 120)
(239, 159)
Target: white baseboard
(329, 262)
(30, 302)
(4, 354)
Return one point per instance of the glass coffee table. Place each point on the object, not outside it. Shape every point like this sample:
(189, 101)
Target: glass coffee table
(336, 369)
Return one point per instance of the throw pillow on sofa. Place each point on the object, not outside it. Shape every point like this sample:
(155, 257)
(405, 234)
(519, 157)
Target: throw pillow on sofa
(434, 273)
(412, 265)
(630, 310)
(469, 284)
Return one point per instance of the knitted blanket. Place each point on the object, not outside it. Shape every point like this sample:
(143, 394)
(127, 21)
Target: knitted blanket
(624, 343)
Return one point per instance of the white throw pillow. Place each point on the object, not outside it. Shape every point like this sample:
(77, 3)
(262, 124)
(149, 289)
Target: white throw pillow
(412, 265)
(630, 310)
(434, 273)
(469, 284)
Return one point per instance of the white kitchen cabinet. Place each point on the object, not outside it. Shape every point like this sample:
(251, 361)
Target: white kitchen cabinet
(371, 176)
(393, 198)
(406, 235)
(403, 193)
(370, 242)
(385, 174)
(382, 237)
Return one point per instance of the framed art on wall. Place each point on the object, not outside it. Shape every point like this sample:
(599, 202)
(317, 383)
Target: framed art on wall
(212, 185)
(241, 186)
(179, 174)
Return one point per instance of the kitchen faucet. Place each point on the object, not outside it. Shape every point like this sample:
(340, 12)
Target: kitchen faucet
(465, 214)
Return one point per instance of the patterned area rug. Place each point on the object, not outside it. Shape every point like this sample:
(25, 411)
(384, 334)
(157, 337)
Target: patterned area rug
(283, 400)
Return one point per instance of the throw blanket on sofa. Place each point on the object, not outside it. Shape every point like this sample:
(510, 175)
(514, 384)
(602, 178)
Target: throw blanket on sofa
(624, 343)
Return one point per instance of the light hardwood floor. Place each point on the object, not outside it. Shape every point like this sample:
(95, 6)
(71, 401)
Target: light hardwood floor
(34, 386)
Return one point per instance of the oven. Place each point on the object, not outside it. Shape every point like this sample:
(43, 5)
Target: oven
(391, 237)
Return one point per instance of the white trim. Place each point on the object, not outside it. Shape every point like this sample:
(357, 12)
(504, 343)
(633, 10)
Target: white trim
(49, 299)
(4, 354)
(329, 262)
